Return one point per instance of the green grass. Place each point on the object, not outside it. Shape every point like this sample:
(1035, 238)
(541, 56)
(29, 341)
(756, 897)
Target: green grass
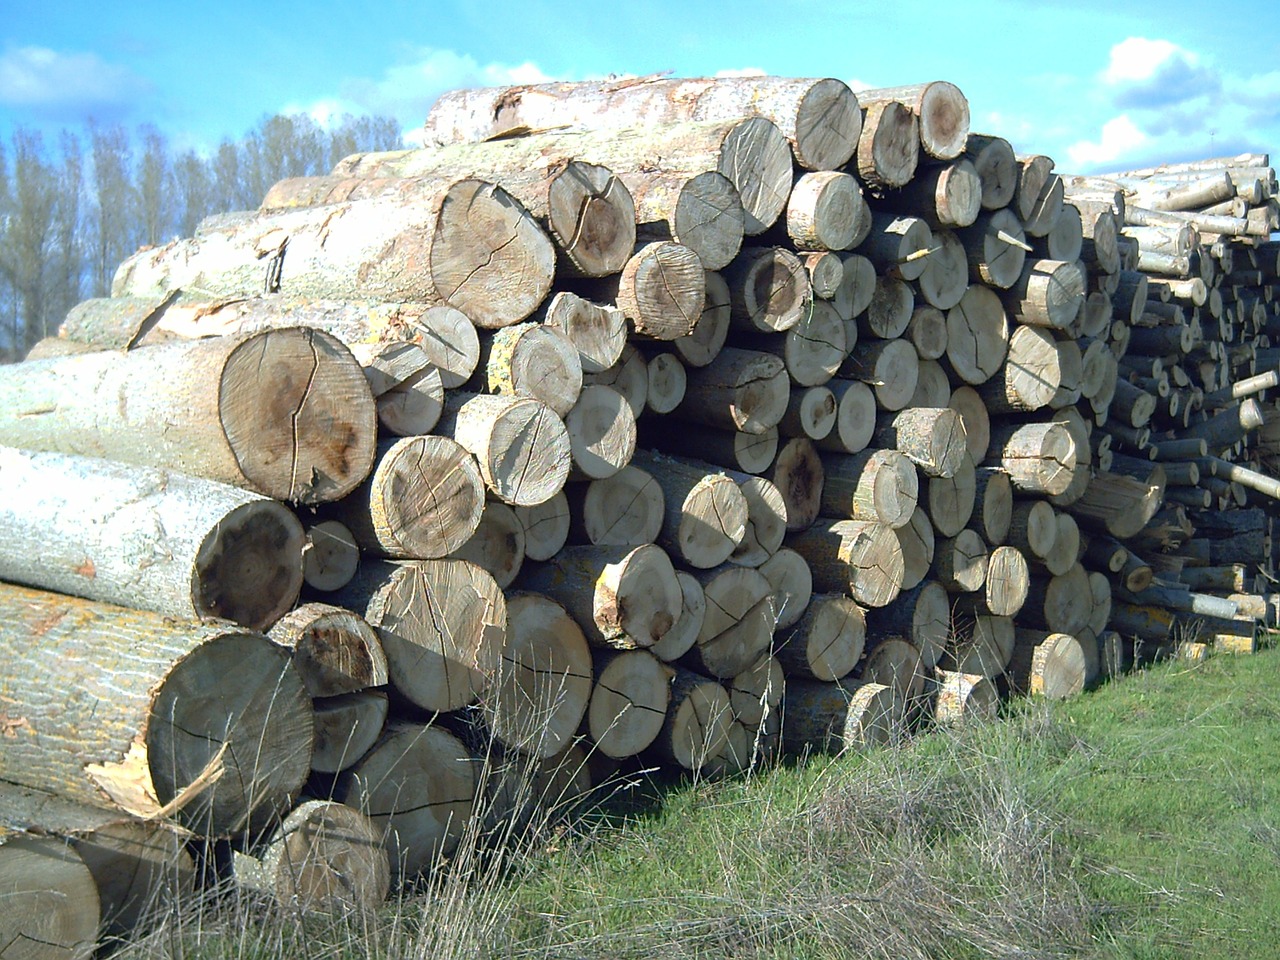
(1139, 821)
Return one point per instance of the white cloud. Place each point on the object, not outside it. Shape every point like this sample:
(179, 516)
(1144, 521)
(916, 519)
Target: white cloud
(1120, 137)
(1137, 58)
(43, 78)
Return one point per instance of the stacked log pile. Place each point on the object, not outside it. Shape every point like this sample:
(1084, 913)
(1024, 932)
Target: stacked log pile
(661, 422)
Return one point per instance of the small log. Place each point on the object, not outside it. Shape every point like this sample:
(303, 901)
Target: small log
(628, 702)
(877, 485)
(1066, 546)
(949, 195)
(997, 168)
(1060, 604)
(597, 331)
(675, 643)
(1030, 376)
(418, 787)
(423, 500)
(967, 402)
(629, 376)
(898, 246)
(667, 382)
(889, 145)
(602, 433)
(1048, 665)
(996, 248)
(330, 557)
(748, 452)
(661, 290)
(825, 270)
(1040, 458)
(896, 663)
(535, 360)
(522, 447)
(708, 336)
(827, 642)
(834, 717)
(204, 722)
(888, 313)
(546, 527)
(964, 698)
(540, 692)
(792, 582)
(741, 390)
(814, 348)
(824, 211)
(413, 406)
(766, 521)
(941, 109)
(946, 274)
(441, 624)
(334, 650)
(916, 541)
(697, 722)
(992, 505)
(325, 857)
(497, 545)
(702, 212)
(960, 562)
(739, 623)
(347, 727)
(52, 908)
(982, 643)
(890, 367)
(864, 558)
(922, 614)
(623, 510)
(286, 413)
(147, 538)
(950, 500)
(977, 335)
(857, 286)
(933, 388)
(1048, 293)
(855, 417)
(623, 597)
(1033, 527)
(1008, 580)
(932, 438)
(705, 512)
(798, 474)
(756, 692)
(811, 412)
(769, 289)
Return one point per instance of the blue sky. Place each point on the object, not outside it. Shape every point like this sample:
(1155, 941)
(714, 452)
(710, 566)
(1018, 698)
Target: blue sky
(1095, 85)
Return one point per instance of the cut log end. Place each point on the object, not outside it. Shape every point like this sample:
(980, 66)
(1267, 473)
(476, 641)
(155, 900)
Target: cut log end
(593, 219)
(249, 568)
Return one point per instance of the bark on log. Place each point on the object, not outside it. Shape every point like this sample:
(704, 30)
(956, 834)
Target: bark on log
(997, 166)
(825, 211)
(622, 597)
(540, 691)
(469, 245)
(742, 390)
(586, 210)
(964, 698)
(441, 623)
(150, 715)
(147, 538)
(819, 117)
(873, 485)
(697, 722)
(286, 413)
(535, 360)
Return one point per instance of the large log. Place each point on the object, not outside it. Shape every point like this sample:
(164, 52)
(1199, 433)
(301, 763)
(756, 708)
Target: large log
(921, 614)
(873, 485)
(52, 910)
(742, 390)
(827, 642)
(467, 243)
(1049, 665)
(628, 702)
(441, 624)
(586, 210)
(826, 212)
(151, 715)
(942, 110)
(697, 723)
(862, 558)
(997, 166)
(705, 515)
(833, 717)
(738, 626)
(287, 413)
(147, 538)
(977, 335)
(932, 438)
(819, 117)
(497, 545)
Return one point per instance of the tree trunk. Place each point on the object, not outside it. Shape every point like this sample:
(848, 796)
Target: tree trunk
(628, 702)
(423, 500)
(147, 538)
(586, 210)
(286, 413)
(468, 245)
(325, 857)
(151, 715)
(540, 692)
(623, 597)
(441, 623)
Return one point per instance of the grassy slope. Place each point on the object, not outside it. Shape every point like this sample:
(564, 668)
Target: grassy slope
(1142, 820)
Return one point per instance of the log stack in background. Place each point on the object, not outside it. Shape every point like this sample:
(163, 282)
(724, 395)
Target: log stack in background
(718, 417)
